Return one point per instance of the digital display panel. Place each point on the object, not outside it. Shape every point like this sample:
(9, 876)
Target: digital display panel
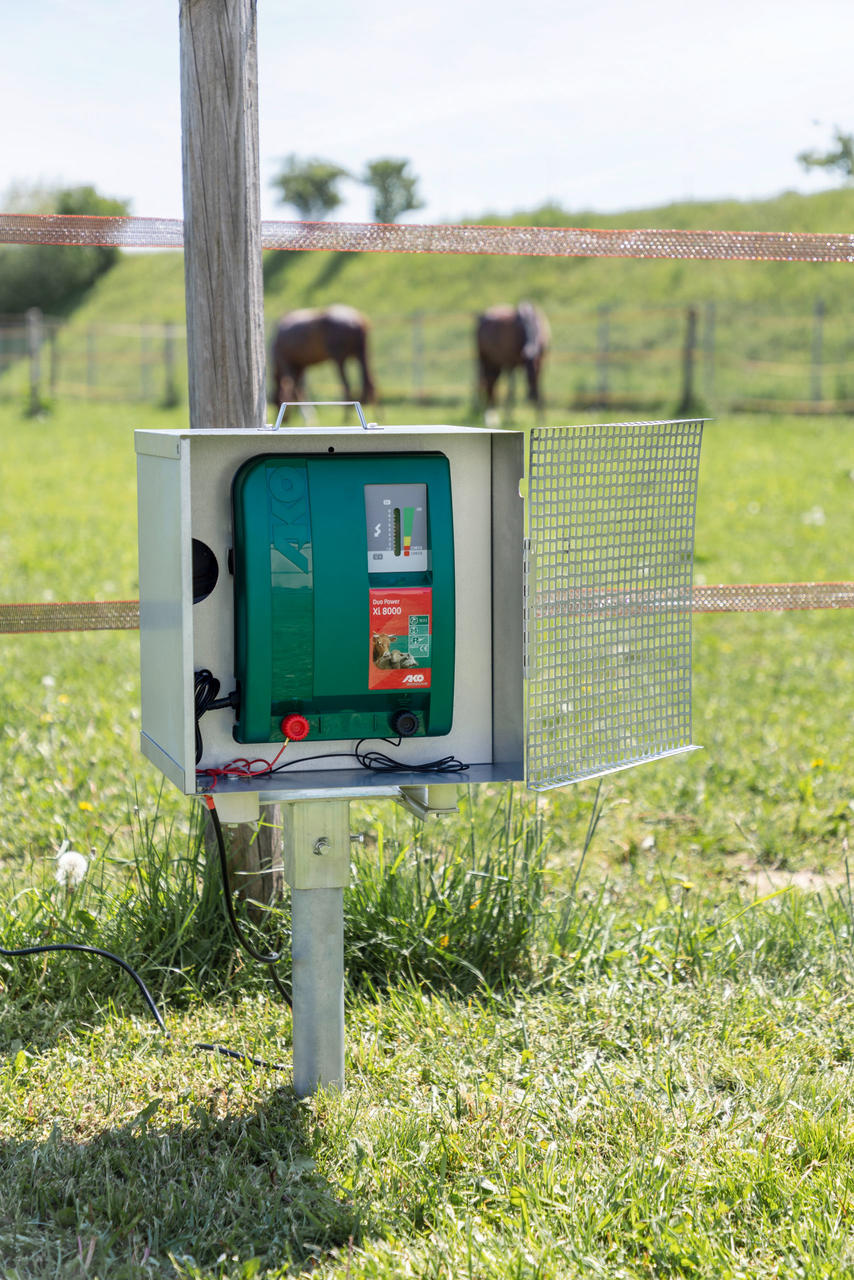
(396, 520)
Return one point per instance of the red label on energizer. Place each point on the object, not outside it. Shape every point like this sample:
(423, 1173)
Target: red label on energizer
(401, 631)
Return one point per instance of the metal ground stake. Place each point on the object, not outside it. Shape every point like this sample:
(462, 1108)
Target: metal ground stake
(317, 867)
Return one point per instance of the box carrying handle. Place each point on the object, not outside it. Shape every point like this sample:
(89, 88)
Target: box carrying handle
(304, 404)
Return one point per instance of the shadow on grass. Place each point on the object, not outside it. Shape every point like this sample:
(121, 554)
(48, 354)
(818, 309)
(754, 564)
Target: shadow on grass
(201, 1198)
(275, 265)
(331, 268)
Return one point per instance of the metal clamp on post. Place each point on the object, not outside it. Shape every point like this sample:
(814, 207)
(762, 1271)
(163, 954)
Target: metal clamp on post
(425, 802)
(313, 404)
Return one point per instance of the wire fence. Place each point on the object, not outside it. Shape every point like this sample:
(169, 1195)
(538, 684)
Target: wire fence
(719, 355)
(44, 359)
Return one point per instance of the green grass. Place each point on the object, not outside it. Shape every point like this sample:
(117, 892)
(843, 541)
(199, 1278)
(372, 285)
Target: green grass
(634, 1061)
(628, 1124)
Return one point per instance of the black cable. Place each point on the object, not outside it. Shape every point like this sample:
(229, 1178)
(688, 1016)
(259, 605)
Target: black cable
(94, 951)
(378, 761)
(205, 689)
(146, 994)
(241, 1057)
(274, 957)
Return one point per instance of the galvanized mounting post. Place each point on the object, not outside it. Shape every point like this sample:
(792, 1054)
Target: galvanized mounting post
(317, 867)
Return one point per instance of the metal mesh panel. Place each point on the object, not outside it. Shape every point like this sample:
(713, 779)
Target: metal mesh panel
(608, 597)
(376, 237)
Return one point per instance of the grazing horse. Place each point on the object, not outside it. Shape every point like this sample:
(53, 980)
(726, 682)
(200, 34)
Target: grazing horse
(311, 336)
(506, 338)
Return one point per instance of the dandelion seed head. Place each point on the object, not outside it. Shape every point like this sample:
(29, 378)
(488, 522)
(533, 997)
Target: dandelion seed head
(71, 866)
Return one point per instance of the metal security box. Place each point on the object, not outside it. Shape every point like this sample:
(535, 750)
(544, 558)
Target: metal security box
(519, 602)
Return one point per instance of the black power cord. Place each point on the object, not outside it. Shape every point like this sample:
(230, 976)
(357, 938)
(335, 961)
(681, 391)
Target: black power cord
(205, 689)
(92, 951)
(14, 952)
(378, 761)
(271, 960)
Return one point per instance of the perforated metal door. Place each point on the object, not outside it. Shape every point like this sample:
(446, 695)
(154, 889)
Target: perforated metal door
(608, 597)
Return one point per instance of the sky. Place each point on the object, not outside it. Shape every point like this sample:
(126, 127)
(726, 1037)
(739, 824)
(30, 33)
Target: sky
(610, 105)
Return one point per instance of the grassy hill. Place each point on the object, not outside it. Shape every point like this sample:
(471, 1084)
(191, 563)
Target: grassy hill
(761, 335)
(150, 287)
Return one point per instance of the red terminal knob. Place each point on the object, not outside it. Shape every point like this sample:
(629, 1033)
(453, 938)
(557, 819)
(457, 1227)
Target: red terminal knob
(295, 727)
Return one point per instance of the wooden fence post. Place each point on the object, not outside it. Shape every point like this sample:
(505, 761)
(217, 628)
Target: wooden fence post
(417, 355)
(709, 353)
(170, 385)
(603, 353)
(688, 401)
(222, 214)
(53, 346)
(35, 338)
(817, 350)
(91, 361)
(144, 364)
(222, 270)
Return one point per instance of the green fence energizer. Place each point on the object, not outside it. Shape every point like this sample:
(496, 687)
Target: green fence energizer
(343, 596)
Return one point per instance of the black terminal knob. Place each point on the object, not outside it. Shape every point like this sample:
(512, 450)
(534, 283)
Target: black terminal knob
(404, 723)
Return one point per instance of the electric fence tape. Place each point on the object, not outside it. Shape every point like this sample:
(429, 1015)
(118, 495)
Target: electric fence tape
(766, 597)
(375, 237)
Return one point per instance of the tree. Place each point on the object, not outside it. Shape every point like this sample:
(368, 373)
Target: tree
(394, 189)
(311, 186)
(53, 277)
(841, 157)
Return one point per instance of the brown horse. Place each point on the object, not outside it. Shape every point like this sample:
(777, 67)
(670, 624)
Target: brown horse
(508, 337)
(311, 336)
